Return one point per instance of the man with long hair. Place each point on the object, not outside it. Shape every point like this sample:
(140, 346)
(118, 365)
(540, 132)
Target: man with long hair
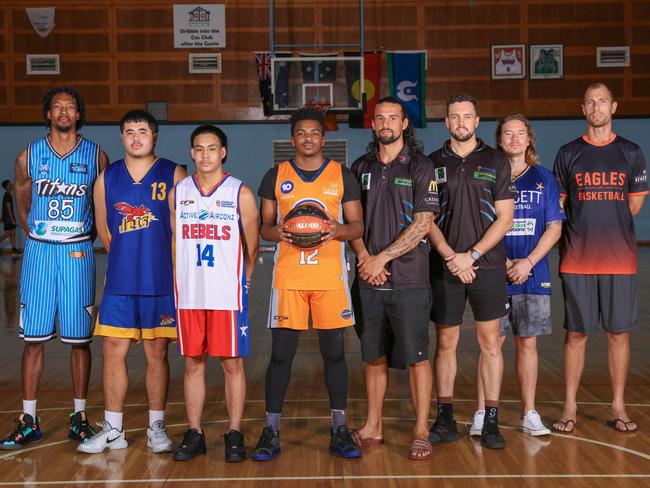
(392, 292)
(537, 226)
(54, 198)
(603, 183)
(469, 262)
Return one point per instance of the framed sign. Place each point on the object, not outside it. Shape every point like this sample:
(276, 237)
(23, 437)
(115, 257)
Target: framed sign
(199, 26)
(508, 61)
(546, 61)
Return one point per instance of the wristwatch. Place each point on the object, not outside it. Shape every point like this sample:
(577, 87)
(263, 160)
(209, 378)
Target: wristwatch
(475, 254)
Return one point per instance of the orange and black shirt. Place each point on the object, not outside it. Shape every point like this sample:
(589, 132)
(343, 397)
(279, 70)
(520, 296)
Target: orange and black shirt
(596, 181)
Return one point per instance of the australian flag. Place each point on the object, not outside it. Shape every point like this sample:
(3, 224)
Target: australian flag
(263, 62)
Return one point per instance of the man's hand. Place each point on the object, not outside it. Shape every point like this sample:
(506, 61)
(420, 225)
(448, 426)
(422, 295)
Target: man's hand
(279, 232)
(372, 267)
(467, 277)
(519, 272)
(334, 230)
(460, 263)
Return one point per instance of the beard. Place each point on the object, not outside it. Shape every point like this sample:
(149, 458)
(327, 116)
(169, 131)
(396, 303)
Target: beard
(389, 139)
(64, 128)
(463, 137)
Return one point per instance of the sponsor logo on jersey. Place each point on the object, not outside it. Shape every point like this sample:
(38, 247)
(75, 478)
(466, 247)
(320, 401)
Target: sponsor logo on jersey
(641, 178)
(545, 284)
(187, 202)
(203, 214)
(346, 314)
(208, 215)
(485, 174)
(41, 229)
(280, 318)
(44, 166)
(45, 187)
(225, 204)
(166, 319)
(522, 227)
(441, 175)
(286, 187)
(365, 181)
(79, 168)
(78, 254)
(331, 189)
(403, 181)
(433, 186)
(134, 218)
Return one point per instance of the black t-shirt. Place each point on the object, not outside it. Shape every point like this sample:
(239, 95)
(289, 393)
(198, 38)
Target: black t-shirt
(390, 195)
(7, 208)
(468, 188)
(350, 185)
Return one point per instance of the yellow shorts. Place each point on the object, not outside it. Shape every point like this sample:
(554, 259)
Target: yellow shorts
(330, 309)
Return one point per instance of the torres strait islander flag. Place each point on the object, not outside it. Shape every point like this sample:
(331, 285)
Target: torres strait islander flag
(407, 82)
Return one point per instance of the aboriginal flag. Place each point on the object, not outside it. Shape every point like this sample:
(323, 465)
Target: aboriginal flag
(372, 75)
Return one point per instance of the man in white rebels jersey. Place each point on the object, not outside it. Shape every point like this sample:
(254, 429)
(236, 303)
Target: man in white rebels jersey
(215, 222)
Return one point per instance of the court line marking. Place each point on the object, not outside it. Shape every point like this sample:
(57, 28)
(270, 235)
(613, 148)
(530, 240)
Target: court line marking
(329, 478)
(320, 400)
(634, 452)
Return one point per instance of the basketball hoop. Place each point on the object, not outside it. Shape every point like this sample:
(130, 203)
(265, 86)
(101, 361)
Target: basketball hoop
(331, 123)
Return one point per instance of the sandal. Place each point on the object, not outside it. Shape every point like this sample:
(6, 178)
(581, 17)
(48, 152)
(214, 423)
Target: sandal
(613, 423)
(419, 445)
(566, 424)
(365, 441)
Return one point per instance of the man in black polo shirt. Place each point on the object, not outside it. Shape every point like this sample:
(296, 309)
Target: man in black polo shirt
(469, 261)
(392, 294)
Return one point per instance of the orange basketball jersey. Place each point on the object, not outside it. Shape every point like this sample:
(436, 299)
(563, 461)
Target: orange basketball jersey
(324, 268)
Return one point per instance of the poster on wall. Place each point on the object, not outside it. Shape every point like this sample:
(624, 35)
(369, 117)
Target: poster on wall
(508, 61)
(42, 19)
(546, 61)
(199, 26)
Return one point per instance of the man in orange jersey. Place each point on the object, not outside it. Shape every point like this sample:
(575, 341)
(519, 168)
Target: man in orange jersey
(307, 281)
(603, 183)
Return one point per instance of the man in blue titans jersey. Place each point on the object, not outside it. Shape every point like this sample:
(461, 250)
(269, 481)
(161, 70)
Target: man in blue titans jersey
(133, 222)
(537, 226)
(54, 195)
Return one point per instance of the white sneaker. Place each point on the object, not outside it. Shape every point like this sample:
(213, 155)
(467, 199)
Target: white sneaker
(106, 438)
(477, 425)
(532, 424)
(157, 438)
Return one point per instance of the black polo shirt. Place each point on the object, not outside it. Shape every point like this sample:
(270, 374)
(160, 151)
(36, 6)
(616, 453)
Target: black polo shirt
(468, 188)
(390, 195)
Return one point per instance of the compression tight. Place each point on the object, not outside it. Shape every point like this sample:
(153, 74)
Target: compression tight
(284, 343)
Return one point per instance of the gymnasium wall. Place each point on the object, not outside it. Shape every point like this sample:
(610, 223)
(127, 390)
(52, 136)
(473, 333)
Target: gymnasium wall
(120, 53)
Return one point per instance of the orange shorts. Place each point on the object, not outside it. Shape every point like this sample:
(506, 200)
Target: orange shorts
(330, 309)
(222, 333)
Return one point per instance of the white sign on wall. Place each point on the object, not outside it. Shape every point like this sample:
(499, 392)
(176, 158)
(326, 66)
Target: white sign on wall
(200, 26)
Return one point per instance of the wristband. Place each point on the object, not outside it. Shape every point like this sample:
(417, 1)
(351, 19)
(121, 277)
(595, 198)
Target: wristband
(531, 263)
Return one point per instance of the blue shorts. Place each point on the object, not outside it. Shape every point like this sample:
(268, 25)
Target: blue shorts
(57, 282)
(137, 317)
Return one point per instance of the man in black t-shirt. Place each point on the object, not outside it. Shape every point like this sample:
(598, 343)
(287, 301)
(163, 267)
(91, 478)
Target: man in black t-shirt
(8, 216)
(392, 294)
(469, 261)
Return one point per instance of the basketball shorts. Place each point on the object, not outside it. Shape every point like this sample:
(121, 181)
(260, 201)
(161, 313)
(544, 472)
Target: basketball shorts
(222, 333)
(530, 316)
(330, 309)
(487, 296)
(606, 298)
(137, 317)
(393, 323)
(57, 283)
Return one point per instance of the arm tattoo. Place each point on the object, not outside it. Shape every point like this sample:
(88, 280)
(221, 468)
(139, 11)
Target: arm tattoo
(411, 236)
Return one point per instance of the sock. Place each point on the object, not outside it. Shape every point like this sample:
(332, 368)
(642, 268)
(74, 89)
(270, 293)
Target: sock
(273, 420)
(446, 408)
(155, 416)
(492, 411)
(29, 407)
(114, 419)
(338, 419)
(79, 405)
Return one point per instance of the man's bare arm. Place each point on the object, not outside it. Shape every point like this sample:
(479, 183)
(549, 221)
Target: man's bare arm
(100, 212)
(636, 202)
(23, 189)
(250, 226)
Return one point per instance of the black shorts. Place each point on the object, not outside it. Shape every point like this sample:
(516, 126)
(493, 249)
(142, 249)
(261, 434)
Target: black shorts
(392, 323)
(9, 226)
(487, 294)
(606, 298)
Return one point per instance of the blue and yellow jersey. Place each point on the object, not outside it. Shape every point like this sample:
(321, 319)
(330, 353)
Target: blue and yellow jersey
(62, 191)
(137, 214)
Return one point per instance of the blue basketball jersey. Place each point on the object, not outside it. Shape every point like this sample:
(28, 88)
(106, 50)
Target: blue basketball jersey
(137, 213)
(62, 191)
(537, 203)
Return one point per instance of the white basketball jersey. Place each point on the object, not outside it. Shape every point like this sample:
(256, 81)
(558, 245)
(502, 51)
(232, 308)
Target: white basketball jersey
(210, 271)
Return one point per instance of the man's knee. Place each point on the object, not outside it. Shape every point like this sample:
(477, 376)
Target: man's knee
(447, 338)
(156, 350)
(232, 366)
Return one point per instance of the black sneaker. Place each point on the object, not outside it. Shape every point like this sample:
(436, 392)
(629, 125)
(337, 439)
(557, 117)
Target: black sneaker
(268, 446)
(342, 444)
(27, 430)
(443, 430)
(234, 445)
(491, 437)
(192, 445)
(80, 430)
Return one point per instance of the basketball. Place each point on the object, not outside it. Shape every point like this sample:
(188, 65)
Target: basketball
(306, 223)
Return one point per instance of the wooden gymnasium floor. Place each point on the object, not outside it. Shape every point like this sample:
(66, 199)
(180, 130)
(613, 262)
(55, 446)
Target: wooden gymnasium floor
(594, 456)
